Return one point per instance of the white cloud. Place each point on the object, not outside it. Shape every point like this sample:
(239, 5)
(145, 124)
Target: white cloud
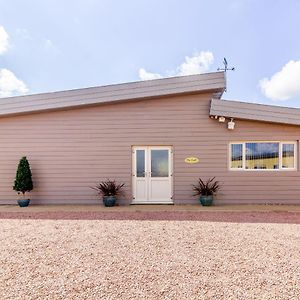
(10, 85)
(4, 40)
(144, 75)
(284, 84)
(196, 64)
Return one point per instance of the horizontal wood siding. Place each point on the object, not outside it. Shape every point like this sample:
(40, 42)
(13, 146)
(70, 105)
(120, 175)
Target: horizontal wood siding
(69, 151)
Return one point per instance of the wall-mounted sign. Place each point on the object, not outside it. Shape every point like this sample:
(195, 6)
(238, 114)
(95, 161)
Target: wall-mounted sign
(191, 160)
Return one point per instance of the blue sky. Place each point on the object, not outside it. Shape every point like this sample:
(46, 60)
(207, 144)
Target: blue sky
(57, 45)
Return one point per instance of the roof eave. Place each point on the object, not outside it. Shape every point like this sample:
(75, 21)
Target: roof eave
(255, 112)
(193, 84)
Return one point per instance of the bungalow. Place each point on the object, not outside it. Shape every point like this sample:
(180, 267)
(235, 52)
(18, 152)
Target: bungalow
(157, 136)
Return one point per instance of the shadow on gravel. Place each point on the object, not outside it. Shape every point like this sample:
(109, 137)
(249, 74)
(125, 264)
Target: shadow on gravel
(234, 217)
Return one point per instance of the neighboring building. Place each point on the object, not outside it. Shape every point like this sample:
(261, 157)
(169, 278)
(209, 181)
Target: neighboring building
(146, 134)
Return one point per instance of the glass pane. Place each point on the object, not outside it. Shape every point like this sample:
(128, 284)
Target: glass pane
(262, 156)
(236, 156)
(288, 154)
(140, 163)
(159, 163)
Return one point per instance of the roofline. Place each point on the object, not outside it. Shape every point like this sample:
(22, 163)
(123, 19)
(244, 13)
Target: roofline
(114, 93)
(110, 85)
(255, 112)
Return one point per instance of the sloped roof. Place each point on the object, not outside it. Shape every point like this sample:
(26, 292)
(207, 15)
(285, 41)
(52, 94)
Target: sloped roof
(114, 93)
(255, 112)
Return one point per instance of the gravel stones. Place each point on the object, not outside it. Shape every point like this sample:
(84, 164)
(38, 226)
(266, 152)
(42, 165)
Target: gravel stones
(130, 259)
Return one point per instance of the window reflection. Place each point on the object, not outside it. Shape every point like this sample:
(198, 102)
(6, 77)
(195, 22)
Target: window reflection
(159, 163)
(140, 163)
(288, 156)
(237, 156)
(262, 155)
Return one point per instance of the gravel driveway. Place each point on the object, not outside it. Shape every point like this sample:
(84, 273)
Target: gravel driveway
(130, 259)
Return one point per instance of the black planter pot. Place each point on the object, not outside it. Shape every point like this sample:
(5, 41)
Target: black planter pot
(109, 201)
(206, 200)
(23, 202)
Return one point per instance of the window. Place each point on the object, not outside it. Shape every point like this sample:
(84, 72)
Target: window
(288, 156)
(263, 156)
(236, 156)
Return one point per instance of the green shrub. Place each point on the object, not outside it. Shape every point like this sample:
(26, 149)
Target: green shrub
(23, 181)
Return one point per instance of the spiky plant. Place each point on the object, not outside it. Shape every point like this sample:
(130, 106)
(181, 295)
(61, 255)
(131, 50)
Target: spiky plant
(108, 188)
(208, 188)
(23, 182)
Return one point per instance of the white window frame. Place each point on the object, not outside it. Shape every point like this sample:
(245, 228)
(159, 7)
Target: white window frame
(280, 169)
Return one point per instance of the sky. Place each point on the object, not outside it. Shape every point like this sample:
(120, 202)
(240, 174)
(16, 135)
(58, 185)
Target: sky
(55, 45)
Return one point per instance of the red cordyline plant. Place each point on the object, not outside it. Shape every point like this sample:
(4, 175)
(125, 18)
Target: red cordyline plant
(108, 188)
(208, 188)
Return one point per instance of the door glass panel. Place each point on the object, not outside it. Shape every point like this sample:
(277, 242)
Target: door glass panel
(140, 163)
(159, 163)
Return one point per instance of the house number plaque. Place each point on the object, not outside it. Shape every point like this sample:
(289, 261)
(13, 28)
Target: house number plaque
(191, 160)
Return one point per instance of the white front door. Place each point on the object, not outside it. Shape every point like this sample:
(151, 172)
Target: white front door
(152, 174)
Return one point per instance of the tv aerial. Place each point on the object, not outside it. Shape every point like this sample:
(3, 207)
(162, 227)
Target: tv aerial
(226, 68)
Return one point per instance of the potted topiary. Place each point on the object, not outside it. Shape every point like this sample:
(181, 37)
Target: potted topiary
(109, 190)
(206, 190)
(23, 182)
